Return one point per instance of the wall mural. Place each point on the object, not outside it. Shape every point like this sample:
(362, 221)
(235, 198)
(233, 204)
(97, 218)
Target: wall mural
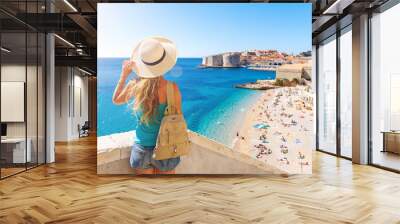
(238, 76)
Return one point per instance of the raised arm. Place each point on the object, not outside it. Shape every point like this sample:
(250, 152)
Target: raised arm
(123, 93)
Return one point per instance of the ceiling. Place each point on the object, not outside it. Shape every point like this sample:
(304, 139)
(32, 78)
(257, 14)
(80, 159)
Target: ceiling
(75, 22)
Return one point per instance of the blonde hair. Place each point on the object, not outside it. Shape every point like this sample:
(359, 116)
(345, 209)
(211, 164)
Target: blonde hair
(146, 98)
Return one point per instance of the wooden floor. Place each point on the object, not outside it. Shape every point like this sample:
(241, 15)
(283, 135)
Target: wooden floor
(69, 191)
(5, 172)
(387, 159)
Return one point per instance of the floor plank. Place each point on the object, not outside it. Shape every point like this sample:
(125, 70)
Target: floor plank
(70, 191)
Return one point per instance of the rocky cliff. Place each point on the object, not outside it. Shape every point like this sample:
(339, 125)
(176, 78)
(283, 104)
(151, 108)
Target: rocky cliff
(229, 60)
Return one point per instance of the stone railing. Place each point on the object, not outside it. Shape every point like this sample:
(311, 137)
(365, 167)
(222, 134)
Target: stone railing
(206, 157)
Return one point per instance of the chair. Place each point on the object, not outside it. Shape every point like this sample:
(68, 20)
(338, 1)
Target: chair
(84, 130)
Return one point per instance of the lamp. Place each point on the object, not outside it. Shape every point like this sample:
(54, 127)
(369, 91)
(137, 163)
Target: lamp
(70, 5)
(64, 40)
(5, 50)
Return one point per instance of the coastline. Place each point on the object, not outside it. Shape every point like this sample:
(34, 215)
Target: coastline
(268, 134)
(258, 85)
(197, 103)
(222, 123)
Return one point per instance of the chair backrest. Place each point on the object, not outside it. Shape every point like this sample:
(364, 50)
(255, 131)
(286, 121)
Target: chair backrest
(86, 125)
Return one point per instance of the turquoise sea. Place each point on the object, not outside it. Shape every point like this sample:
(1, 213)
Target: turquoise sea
(212, 106)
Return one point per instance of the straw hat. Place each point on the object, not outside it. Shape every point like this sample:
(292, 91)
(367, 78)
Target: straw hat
(154, 56)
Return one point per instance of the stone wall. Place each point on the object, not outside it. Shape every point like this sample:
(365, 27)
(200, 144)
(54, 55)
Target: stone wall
(307, 72)
(294, 71)
(205, 157)
(289, 71)
(204, 61)
(216, 60)
(231, 60)
(222, 60)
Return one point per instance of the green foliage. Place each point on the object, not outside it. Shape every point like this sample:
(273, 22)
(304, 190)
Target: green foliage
(286, 82)
(279, 82)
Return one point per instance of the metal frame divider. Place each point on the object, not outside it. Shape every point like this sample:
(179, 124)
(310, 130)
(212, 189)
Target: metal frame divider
(369, 125)
(317, 97)
(338, 75)
(0, 97)
(26, 87)
(37, 92)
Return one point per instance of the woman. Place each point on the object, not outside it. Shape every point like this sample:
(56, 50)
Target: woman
(150, 60)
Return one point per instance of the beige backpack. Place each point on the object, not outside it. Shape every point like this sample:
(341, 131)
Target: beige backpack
(173, 139)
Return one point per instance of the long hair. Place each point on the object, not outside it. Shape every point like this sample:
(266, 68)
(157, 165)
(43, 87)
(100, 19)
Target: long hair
(146, 98)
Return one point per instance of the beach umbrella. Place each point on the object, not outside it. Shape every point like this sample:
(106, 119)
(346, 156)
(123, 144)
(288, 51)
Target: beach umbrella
(261, 126)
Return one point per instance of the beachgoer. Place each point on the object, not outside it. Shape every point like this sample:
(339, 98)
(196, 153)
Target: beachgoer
(150, 60)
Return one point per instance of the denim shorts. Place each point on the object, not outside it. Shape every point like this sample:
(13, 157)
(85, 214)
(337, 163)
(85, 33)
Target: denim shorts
(142, 158)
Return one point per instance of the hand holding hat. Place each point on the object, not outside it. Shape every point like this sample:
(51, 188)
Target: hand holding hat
(127, 67)
(153, 57)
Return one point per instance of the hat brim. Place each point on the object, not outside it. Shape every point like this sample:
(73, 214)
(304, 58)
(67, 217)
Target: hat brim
(153, 71)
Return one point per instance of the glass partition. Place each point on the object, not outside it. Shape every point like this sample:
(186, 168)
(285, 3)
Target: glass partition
(31, 97)
(14, 153)
(22, 77)
(327, 95)
(346, 92)
(385, 89)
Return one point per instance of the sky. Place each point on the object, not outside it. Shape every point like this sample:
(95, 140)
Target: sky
(204, 29)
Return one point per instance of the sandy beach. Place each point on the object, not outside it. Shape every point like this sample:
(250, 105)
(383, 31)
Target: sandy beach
(278, 129)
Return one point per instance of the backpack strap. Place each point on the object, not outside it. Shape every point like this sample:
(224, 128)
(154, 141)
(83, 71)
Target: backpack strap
(171, 108)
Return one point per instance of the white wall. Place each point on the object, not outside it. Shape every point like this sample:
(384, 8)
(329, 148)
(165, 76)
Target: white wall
(12, 73)
(71, 86)
(79, 117)
(61, 103)
(33, 127)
